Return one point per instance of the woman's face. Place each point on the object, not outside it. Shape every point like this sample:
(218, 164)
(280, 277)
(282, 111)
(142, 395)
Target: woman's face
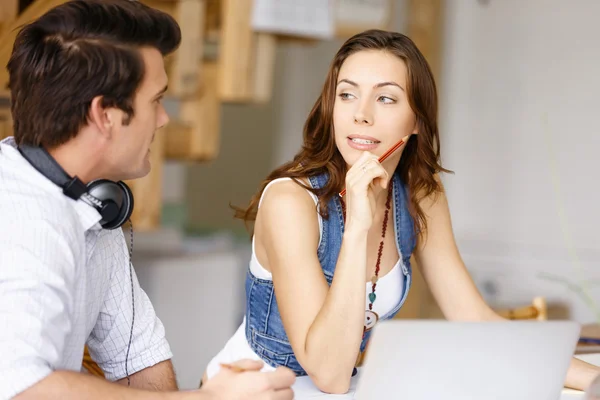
(371, 110)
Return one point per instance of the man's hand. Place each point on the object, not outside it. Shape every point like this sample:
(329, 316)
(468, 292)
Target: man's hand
(250, 384)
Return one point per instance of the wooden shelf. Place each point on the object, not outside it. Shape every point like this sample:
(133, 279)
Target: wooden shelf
(220, 60)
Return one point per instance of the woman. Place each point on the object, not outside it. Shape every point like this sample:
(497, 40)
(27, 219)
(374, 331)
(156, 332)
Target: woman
(325, 269)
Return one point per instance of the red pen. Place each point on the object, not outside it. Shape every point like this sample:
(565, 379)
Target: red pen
(385, 155)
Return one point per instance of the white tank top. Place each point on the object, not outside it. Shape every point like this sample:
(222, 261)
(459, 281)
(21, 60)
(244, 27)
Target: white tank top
(389, 289)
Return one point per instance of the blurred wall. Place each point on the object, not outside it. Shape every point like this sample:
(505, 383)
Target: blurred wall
(520, 129)
(518, 95)
(257, 138)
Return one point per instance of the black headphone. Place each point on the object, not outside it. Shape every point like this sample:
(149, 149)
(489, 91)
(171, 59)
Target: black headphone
(113, 200)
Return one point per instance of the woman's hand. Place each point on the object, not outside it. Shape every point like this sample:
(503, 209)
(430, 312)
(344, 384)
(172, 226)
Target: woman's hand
(364, 181)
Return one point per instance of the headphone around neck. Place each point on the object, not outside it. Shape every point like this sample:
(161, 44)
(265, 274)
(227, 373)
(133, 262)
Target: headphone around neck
(113, 200)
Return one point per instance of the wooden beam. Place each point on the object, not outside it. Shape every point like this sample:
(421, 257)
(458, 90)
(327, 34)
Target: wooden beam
(263, 67)
(205, 114)
(178, 141)
(7, 39)
(425, 26)
(235, 51)
(167, 6)
(351, 18)
(8, 12)
(247, 58)
(184, 73)
(189, 13)
(147, 191)
(6, 128)
(182, 65)
(195, 135)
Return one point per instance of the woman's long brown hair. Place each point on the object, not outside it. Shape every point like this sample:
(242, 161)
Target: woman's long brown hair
(420, 160)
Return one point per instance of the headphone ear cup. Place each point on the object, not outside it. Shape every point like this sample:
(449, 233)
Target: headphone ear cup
(127, 207)
(116, 199)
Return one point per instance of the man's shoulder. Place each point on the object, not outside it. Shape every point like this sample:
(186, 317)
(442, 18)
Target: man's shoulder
(26, 195)
(112, 238)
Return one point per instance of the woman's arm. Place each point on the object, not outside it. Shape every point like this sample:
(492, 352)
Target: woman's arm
(324, 324)
(443, 268)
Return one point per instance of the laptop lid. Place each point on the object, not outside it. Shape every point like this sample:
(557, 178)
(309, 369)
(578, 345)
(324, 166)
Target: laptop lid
(430, 359)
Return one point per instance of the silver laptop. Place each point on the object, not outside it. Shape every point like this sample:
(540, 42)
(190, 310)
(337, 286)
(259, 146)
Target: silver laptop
(441, 360)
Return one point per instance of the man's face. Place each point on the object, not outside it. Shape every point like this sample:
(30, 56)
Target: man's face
(128, 154)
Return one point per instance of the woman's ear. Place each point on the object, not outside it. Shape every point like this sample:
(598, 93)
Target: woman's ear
(415, 130)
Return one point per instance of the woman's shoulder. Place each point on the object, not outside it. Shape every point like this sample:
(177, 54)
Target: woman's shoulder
(287, 211)
(430, 194)
(287, 193)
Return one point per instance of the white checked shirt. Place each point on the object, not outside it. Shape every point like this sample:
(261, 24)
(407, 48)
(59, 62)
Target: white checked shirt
(64, 283)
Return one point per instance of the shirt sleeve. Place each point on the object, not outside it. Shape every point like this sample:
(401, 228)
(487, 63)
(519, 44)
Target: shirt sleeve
(110, 338)
(37, 275)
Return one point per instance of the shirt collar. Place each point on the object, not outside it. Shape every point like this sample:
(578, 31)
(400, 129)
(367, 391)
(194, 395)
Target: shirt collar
(88, 215)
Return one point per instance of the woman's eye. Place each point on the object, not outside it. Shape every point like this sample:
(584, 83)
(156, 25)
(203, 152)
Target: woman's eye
(386, 100)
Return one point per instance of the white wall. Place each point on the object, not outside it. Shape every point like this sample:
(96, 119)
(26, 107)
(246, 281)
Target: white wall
(518, 91)
(197, 289)
(507, 69)
(519, 114)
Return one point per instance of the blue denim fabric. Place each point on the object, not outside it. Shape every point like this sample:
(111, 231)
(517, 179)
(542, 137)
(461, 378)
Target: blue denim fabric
(264, 329)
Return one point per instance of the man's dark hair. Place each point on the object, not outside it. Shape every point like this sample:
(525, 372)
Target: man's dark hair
(75, 52)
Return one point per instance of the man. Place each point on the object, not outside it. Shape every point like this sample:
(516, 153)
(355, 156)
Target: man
(86, 81)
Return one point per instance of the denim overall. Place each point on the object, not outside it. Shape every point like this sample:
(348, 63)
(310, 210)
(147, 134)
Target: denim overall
(264, 329)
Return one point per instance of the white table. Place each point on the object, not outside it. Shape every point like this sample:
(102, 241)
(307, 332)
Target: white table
(304, 389)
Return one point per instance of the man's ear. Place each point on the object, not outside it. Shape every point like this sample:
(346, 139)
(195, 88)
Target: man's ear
(103, 118)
